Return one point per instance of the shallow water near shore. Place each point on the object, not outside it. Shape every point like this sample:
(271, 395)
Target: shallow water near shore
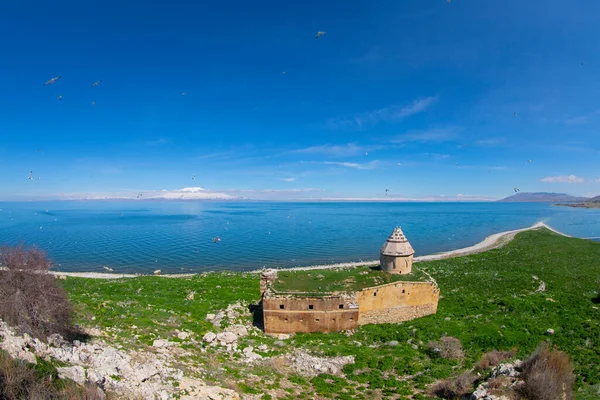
(142, 236)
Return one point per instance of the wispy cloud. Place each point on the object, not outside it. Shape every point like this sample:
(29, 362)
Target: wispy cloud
(490, 142)
(580, 120)
(438, 135)
(288, 179)
(389, 114)
(369, 165)
(157, 142)
(563, 179)
(348, 149)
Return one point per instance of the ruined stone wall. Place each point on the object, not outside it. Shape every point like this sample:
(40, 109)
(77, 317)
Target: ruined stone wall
(397, 302)
(396, 264)
(284, 314)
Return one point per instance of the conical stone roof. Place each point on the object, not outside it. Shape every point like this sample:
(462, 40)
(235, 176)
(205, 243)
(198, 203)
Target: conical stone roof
(397, 245)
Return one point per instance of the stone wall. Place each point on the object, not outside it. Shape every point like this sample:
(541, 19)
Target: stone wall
(397, 302)
(396, 264)
(287, 314)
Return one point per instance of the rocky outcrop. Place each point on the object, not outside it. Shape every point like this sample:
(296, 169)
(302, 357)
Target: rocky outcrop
(309, 365)
(135, 374)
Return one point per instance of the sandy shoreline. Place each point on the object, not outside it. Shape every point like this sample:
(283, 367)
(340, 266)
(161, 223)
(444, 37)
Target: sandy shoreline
(491, 242)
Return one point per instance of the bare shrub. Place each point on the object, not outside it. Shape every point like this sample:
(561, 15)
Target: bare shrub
(547, 375)
(493, 358)
(30, 299)
(447, 347)
(455, 388)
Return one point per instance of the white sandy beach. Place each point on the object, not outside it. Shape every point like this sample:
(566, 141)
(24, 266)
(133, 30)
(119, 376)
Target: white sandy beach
(491, 242)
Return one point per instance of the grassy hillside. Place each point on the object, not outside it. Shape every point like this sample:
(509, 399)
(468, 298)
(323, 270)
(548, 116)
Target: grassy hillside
(489, 301)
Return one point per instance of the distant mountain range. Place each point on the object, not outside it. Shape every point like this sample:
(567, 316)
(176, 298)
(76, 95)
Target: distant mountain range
(546, 197)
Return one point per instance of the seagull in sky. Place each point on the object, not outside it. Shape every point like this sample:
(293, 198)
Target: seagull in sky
(516, 114)
(386, 191)
(96, 83)
(30, 175)
(183, 93)
(51, 81)
(517, 190)
(93, 103)
(194, 177)
(60, 97)
(320, 33)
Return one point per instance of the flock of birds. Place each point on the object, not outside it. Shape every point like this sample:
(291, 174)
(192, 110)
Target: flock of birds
(217, 238)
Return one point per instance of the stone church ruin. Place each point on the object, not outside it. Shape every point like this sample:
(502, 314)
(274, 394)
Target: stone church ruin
(342, 299)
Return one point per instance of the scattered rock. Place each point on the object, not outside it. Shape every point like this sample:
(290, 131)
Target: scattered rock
(309, 365)
(238, 330)
(183, 335)
(56, 340)
(157, 272)
(76, 373)
(209, 337)
(447, 319)
(550, 331)
(542, 287)
(226, 338)
(279, 343)
(210, 317)
(161, 343)
(550, 300)
(393, 343)
(190, 295)
(263, 347)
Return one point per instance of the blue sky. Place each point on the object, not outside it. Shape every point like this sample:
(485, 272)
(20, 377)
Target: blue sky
(413, 96)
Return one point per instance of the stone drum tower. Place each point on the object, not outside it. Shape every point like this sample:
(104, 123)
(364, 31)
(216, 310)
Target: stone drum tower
(396, 255)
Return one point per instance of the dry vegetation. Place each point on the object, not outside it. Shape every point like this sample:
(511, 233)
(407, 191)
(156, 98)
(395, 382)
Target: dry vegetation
(447, 347)
(493, 358)
(30, 298)
(33, 302)
(547, 375)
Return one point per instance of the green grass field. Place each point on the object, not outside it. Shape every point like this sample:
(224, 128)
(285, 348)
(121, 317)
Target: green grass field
(339, 280)
(488, 301)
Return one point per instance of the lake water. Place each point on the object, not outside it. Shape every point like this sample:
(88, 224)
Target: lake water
(141, 236)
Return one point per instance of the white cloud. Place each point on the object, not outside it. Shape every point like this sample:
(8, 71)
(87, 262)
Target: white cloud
(597, 180)
(431, 135)
(349, 149)
(491, 142)
(389, 114)
(562, 179)
(288, 179)
(191, 193)
(582, 119)
(370, 165)
(157, 142)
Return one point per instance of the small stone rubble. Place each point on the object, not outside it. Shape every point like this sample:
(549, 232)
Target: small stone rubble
(309, 365)
(509, 372)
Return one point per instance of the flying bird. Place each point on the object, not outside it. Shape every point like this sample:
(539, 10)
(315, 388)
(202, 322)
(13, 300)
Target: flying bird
(283, 73)
(320, 33)
(216, 239)
(183, 93)
(516, 114)
(529, 161)
(96, 83)
(51, 81)
(386, 191)
(517, 190)
(30, 175)
(60, 97)
(93, 103)
(108, 269)
(194, 177)
(139, 195)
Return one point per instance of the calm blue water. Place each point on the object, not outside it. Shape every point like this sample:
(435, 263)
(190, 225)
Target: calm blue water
(175, 236)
